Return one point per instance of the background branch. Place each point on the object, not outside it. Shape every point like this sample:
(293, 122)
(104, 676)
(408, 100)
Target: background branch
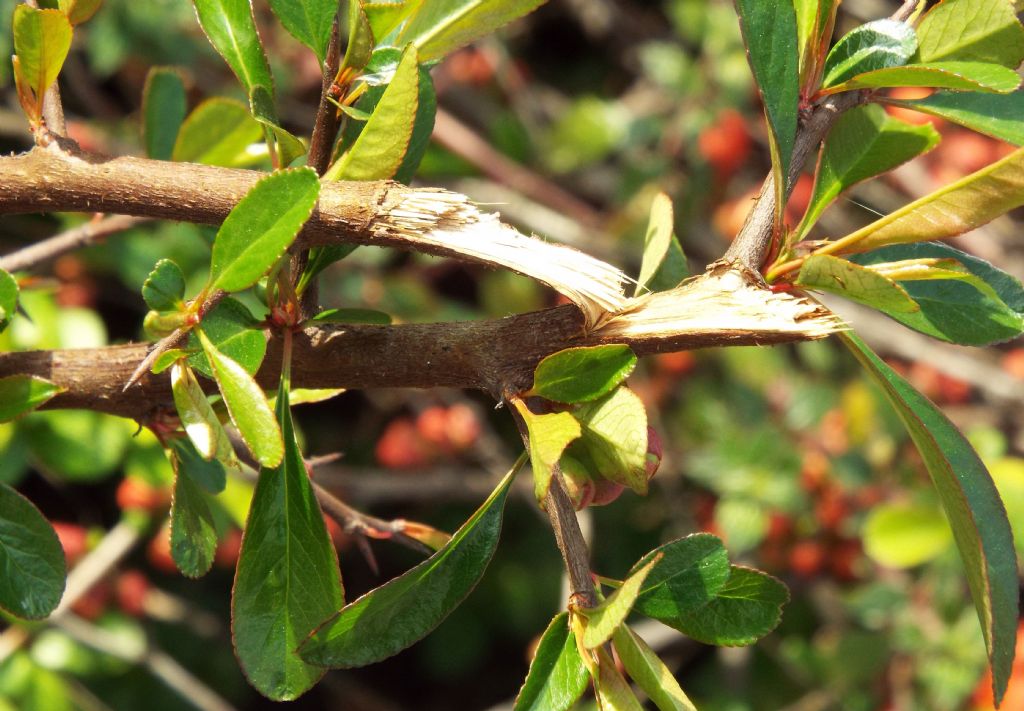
(67, 241)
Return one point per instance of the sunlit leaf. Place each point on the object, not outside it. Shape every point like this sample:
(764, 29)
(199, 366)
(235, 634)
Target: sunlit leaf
(235, 332)
(23, 393)
(972, 505)
(440, 26)
(42, 39)
(287, 580)
(958, 76)
(557, 676)
(164, 288)
(78, 11)
(261, 227)
(288, 147)
(649, 672)
(218, 132)
(231, 29)
(972, 30)
(856, 283)
(247, 406)
(8, 298)
(193, 533)
(615, 437)
(864, 142)
(582, 374)
(602, 621)
(210, 475)
(362, 316)
(308, 21)
(360, 37)
(998, 115)
(404, 610)
(905, 535)
(197, 417)
(657, 241)
(163, 111)
(870, 47)
(549, 435)
(385, 16)
(30, 556)
(689, 574)
(613, 692)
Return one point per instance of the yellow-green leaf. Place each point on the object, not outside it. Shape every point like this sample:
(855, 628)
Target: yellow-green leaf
(649, 672)
(602, 621)
(856, 283)
(549, 435)
(23, 393)
(42, 39)
(972, 30)
(78, 11)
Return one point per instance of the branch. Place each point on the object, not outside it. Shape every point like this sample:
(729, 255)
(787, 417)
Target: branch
(67, 241)
(325, 127)
(571, 544)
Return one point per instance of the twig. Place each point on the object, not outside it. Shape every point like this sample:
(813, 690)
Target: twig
(906, 10)
(571, 543)
(67, 241)
(160, 664)
(325, 127)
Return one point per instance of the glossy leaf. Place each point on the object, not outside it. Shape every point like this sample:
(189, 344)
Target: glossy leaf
(998, 115)
(218, 132)
(30, 556)
(422, 127)
(247, 406)
(864, 142)
(210, 475)
(972, 505)
(770, 32)
(380, 148)
(193, 533)
(615, 437)
(8, 298)
(261, 227)
(440, 26)
(582, 374)
(973, 304)
(549, 435)
(905, 535)
(197, 417)
(557, 676)
(164, 288)
(23, 393)
(404, 610)
(815, 20)
(748, 607)
(385, 16)
(857, 283)
(360, 37)
(950, 211)
(870, 47)
(959, 76)
(42, 39)
(354, 316)
(163, 111)
(287, 580)
(613, 693)
(649, 672)
(690, 574)
(659, 238)
(78, 11)
(972, 30)
(231, 29)
(602, 621)
(235, 332)
(308, 21)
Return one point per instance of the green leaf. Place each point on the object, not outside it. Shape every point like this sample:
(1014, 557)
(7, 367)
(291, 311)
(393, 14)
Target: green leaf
(856, 283)
(193, 533)
(164, 288)
(748, 607)
(422, 127)
(247, 406)
(380, 147)
(976, 305)
(972, 505)
(649, 672)
(287, 581)
(163, 111)
(261, 227)
(998, 115)
(308, 21)
(210, 475)
(198, 419)
(872, 46)
(549, 435)
(361, 316)
(959, 207)
(235, 332)
(602, 621)
(385, 16)
(23, 393)
(613, 693)
(441, 26)
(8, 298)
(404, 610)
(360, 37)
(78, 11)
(905, 535)
(770, 33)
(657, 241)
(218, 132)
(865, 142)
(815, 20)
(77, 445)
(959, 76)
(972, 30)
(31, 558)
(582, 374)
(231, 29)
(288, 147)
(557, 676)
(42, 39)
(615, 437)
(689, 574)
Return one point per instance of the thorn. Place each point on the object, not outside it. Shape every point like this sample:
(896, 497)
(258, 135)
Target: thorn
(367, 551)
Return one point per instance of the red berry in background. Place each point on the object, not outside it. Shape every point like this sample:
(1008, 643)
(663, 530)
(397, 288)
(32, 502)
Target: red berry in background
(463, 426)
(135, 494)
(338, 536)
(73, 539)
(906, 93)
(806, 558)
(401, 446)
(94, 602)
(1013, 363)
(780, 527)
(954, 391)
(432, 426)
(842, 560)
(131, 590)
(726, 144)
(799, 199)
(679, 363)
(158, 552)
(831, 509)
(654, 452)
(226, 555)
(813, 470)
(729, 217)
(961, 152)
